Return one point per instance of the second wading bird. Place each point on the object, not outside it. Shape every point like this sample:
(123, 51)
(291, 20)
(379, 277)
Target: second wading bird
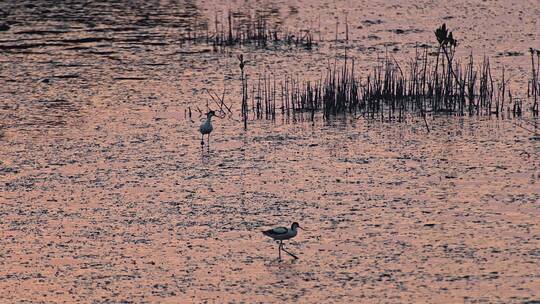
(206, 127)
(280, 234)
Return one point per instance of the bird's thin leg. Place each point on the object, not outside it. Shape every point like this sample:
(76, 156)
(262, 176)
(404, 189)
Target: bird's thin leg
(279, 248)
(208, 141)
(202, 140)
(294, 256)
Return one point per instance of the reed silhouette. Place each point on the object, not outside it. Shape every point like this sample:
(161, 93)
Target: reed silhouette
(427, 86)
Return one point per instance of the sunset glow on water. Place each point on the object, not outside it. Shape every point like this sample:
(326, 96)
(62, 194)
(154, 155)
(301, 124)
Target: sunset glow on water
(106, 195)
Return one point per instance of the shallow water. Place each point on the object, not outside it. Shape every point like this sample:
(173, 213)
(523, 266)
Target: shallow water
(106, 196)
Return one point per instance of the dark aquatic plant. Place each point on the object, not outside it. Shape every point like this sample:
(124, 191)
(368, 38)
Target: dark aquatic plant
(534, 87)
(258, 30)
(244, 90)
(439, 86)
(448, 44)
(444, 37)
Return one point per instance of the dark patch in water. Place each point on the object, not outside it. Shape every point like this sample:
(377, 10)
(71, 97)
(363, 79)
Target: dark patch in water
(29, 46)
(406, 31)
(41, 32)
(372, 22)
(67, 76)
(129, 78)
(510, 54)
(86, 40)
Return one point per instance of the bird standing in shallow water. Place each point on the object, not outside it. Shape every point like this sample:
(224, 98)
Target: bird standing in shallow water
(206, 127)
(282, 233)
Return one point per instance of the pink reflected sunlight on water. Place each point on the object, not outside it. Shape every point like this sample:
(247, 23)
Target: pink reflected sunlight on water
(106, 196)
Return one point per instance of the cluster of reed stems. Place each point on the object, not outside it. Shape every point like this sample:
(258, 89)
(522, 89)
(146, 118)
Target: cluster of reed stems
(388, 90)
(255, 29)
(426, 85)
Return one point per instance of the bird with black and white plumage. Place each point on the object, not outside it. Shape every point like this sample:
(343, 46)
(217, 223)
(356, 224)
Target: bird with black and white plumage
(206, 127)
(281, 234)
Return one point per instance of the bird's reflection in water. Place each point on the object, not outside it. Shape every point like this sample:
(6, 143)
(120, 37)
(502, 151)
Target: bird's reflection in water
(285, 273)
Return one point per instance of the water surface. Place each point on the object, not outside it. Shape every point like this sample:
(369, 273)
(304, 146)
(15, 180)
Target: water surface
(106, 196)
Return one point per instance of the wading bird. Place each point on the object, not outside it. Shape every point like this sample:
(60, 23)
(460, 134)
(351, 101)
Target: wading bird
(282, 233)
(206, 127)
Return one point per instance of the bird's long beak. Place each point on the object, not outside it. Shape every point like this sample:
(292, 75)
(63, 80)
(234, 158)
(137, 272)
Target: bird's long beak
(303, 228)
